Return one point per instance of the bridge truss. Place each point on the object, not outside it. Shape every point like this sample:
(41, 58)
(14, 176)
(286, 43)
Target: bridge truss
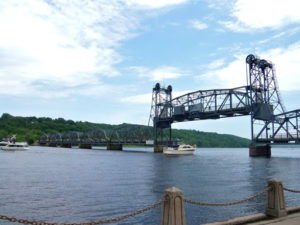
(260, 98)
(130, 134)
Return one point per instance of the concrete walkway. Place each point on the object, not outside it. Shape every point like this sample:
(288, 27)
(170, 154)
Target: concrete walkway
(293, 218)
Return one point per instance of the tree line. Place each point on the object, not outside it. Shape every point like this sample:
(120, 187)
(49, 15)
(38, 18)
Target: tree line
(31, 128)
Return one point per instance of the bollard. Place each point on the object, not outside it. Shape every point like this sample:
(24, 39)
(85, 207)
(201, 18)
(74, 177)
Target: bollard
(173, 208)
(275, 199)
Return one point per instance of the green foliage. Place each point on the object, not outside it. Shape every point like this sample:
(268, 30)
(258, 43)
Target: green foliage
(207, 139)
(31, 128)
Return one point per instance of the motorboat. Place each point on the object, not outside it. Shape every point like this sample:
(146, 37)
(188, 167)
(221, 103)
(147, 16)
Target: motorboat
(4, 143)
(182, 149)
(17, 146)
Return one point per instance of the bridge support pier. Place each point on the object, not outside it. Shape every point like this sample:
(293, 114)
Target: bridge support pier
(158, 148)
(116, 147)
(66, 145)
(52, 145)
(85, 146)
(259, 150)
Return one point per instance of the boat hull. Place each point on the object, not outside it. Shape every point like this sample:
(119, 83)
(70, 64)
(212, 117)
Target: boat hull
(4, 148)
(178, 152)
(17, 146)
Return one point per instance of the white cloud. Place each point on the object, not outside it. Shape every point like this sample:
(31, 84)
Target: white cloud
(164, 73)
(138, 99)
(220, 4)
(216, 64)
(287, 63)
(196, 24)
(60, 44)
(280, 35)
(61, 48)
(258, 14)
(233, 25)
(159, 74)
(232, 75)
(154, 3)
(146, 98)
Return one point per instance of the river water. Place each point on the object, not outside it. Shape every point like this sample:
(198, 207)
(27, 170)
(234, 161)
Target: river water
(76, 185)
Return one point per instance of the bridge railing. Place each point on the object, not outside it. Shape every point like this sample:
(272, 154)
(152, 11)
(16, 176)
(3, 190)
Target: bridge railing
(173, 207)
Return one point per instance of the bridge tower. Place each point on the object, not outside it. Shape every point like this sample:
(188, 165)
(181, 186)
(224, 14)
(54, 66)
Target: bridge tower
(265, 101)
(161, 115)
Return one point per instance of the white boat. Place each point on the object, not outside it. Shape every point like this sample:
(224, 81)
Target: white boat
(4, 143)
(17, 146)
(182, 149)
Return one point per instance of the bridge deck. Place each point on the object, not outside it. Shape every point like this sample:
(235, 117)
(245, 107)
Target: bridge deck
(287, 140)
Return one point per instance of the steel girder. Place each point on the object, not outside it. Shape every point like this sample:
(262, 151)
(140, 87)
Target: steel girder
(130, 134)
(282, 130)
(212, 104)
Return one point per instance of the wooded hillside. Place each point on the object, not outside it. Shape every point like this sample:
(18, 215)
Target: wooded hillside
(30, 128)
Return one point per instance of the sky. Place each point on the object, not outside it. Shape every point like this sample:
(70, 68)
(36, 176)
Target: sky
(97, 61)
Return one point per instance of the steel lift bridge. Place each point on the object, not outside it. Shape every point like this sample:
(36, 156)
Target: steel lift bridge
(114, 139)
(260, 98)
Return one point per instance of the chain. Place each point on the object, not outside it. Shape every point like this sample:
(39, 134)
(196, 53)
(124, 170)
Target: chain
(115, 219)
(227, 203)
(291, 190)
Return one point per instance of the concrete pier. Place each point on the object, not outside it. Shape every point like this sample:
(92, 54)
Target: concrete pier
(85, 146)
(158, 148)
(259, 150)
(66, 145)
(52, 145)
(115, 147)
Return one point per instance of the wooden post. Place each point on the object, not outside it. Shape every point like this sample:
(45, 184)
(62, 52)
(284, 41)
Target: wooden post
(275, 199)
(173, 209)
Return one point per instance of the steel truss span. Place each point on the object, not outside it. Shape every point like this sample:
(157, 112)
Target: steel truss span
(130, 134)
(260, 98)
(282, 130)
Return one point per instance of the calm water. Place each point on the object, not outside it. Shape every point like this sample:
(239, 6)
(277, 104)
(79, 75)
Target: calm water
(74, 185)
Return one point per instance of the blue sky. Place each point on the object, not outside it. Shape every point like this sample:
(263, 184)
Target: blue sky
(98, 61)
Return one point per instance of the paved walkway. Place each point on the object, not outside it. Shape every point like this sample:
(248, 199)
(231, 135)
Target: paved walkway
(292, 219)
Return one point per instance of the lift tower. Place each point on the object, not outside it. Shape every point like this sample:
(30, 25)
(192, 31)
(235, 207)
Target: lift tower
(265, 101)
(161, 115)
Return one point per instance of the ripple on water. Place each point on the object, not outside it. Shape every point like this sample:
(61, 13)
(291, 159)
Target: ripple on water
(74, 185)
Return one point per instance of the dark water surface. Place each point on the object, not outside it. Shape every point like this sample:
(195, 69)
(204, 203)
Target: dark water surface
(74, 185)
